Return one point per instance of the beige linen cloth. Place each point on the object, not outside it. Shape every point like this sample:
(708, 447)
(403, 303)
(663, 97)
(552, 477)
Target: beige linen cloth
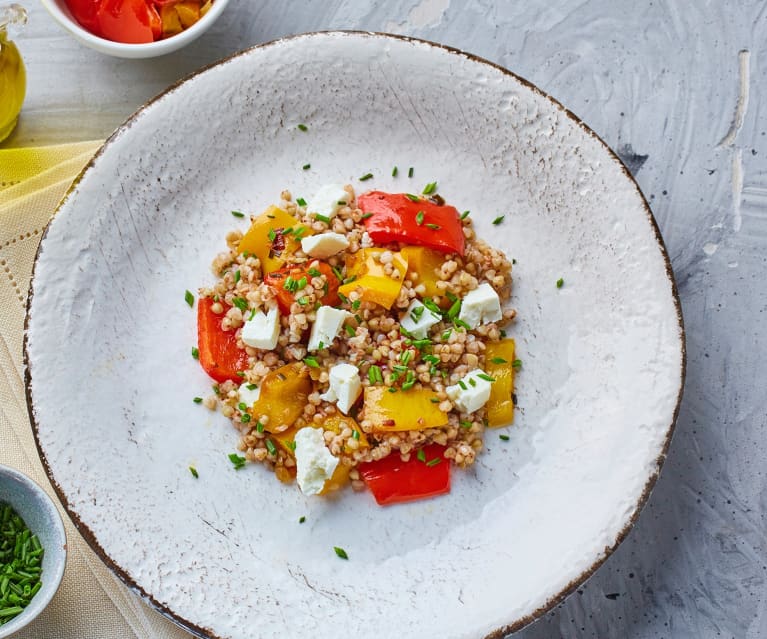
(91, 602)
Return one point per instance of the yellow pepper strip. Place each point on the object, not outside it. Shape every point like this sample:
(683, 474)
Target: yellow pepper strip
(424, 261)
(205, 8)
(258, 240)
(500, 406)
(283, 396)
(188, 12)
(171, 23)
(370, 279)
(403, 410)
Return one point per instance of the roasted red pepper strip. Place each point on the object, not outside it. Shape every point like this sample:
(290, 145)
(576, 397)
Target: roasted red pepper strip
(286, 296)
(396, 217)
(130, 21)
(86, 12)
(220, 356)
(393, 481)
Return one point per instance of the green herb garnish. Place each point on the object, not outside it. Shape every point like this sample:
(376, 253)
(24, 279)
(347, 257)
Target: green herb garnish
(194, 472)
(486, 377)
(517, 363)
(412, 198)
(410, 172)
(322, 218)
(465, 214)
(189, 298)
(271, 447)
(195, 352)
(241, 303)
(237, 461)
(434, 462)
(498, 220)
(197, 400)
(429, 188)
(301, 519)
(419, 218)
(421, 455)
(311, 361)
(366, 177)
(394, 172)
(306, 167)
(498, 360)
(503, 437)
(238, 214)
(301, 201)
(340, 552)
(433, 227)
(560, 283)
(303, 127)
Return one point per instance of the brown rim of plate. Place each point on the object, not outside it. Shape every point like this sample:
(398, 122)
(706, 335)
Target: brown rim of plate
(207, 633)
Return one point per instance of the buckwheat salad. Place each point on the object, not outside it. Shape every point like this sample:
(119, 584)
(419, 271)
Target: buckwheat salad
(359, 340)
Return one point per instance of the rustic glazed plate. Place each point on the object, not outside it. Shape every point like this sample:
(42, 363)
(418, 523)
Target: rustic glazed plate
(111, 380)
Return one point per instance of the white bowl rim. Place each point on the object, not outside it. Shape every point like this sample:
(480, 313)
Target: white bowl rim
(556, 599)
(128, 50)
(53, 580)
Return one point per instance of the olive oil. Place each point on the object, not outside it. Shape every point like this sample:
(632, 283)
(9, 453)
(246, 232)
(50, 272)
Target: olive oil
(13, 80)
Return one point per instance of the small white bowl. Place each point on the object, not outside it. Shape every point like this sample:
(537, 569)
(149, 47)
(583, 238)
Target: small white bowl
(42, 517)
(61, 13)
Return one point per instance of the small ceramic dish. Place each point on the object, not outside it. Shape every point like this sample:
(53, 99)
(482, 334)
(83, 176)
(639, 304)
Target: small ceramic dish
(42, 517)
(230, 553)
(61, 13)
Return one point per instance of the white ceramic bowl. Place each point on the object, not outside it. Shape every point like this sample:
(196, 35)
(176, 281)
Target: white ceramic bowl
(42, 517)
(61, 13)
(111, 380)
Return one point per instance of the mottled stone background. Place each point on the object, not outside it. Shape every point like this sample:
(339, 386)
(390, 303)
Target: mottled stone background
(677, 88)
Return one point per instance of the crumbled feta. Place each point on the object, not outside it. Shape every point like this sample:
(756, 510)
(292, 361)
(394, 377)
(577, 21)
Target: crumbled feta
(326, 200)
(418, 320)
(324, 245)
(314, 462)
(481, 306)
(326, 326)
(471, 393)
(262, 330)
(248, 396)
(345, 386)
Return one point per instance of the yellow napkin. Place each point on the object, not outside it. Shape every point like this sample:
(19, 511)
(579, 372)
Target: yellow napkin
(91, 602)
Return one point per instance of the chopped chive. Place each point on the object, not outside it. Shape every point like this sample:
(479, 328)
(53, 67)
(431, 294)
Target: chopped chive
(245, 418)
(410, 172)
(454, 309)
(303, 301)
(259, 427)
(356, 434)
(337, 272)
(421, 455)
(301, 201)
(365, 216)
(374, 374)
(431, 305)
(240, 374)
(434, 462)
(560, 282)
(241, 303)
(394, 172)
(486, 377)
(194, 472)
(356, 304)
(392, 390)
(435, 400)
(429, 188)
(349, 330)
(340, 552)
(465, 424)
(311, 361)
(343, 298)
(399, 368)
(238, 214)
(412, 198)
(197, 400)
(517, 363)
(465, 214)
(462, 384)
(271, 447)
(349, 280)
(498, 360)
(292, 445)
(189, 298)
(301, 519)
(195, 352)
(306, 167)
(446, 334)
(301, 284)
(451, 296)
(251, 386)
(472, 382)
(237, 461)
(314, 272)
(405, 356)
(322, 218)
(503, 437)
(498, 220)
(252, 314)
(303, 127)
(366, 177)
(271, 235)
(419, 218)
(237, 276)
(417, 312)
(287, 231)
(242, 406)
(433, 227)
(461, 323)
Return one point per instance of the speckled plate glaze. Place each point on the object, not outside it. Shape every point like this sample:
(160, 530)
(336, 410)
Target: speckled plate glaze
(110, 378)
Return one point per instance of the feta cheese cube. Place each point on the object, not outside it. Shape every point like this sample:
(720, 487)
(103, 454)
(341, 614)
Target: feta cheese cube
(262, 330)
(326, 200)
(314, 462)
(481, 306)
(324, 245)
(418, 320)
(248, 396)
(326, 326)
(471, 393)
(345, 386)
